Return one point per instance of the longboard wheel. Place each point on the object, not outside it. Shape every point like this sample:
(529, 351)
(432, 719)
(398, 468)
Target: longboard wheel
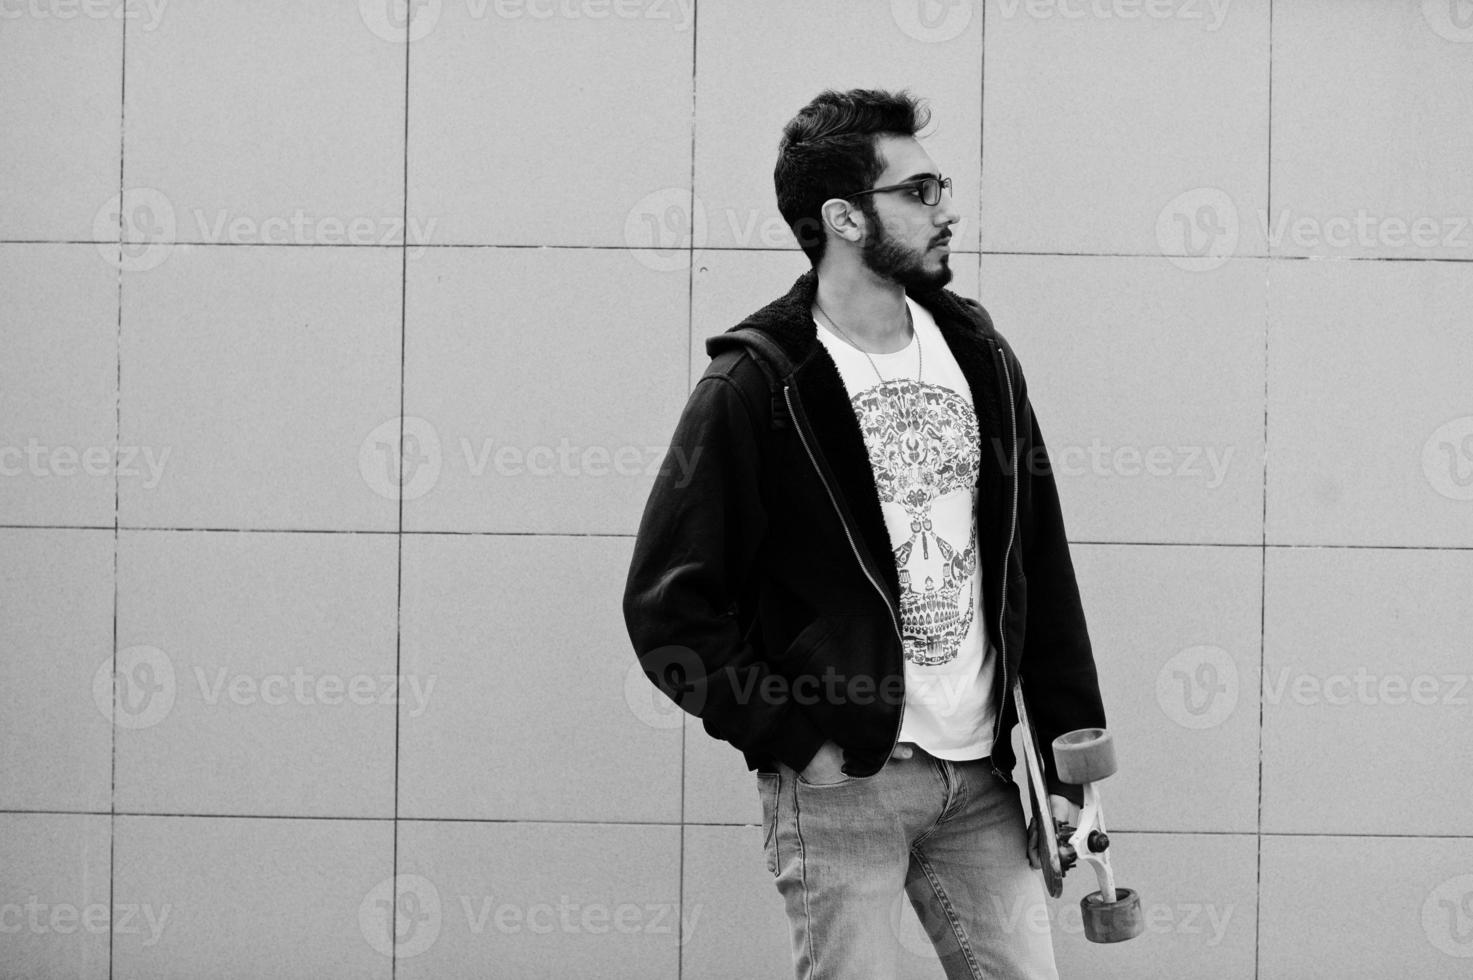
(1084, 756)
(1112, 922)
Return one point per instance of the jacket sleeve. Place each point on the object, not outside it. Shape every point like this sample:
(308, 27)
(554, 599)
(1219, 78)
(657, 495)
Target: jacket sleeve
(1058, 665)
(692, 565)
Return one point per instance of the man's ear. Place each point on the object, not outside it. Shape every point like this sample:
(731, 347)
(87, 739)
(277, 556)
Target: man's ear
(843, 219)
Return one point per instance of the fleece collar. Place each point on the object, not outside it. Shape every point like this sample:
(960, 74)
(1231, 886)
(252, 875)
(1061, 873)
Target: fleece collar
(973, 342)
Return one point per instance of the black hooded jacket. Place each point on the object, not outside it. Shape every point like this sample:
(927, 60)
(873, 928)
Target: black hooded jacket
(763, 595)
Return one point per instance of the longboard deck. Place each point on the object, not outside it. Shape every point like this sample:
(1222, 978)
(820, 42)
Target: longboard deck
(1043, 818)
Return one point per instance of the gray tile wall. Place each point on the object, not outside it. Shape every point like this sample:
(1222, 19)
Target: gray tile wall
(249, 252)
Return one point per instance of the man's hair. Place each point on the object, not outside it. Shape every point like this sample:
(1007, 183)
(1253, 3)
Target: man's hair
(828, 150)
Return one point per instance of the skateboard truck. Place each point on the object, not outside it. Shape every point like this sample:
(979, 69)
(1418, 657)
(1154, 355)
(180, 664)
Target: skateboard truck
(1112, 914)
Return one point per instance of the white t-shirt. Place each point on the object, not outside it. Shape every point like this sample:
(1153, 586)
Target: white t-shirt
(924, 450)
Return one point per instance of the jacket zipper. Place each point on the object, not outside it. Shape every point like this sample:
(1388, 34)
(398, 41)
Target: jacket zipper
(854, 547)
(1002, 637)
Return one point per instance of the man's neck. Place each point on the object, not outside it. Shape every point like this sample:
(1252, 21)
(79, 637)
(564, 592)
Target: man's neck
(868, 311)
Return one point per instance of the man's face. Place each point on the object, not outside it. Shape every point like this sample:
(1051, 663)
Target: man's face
(907, 241)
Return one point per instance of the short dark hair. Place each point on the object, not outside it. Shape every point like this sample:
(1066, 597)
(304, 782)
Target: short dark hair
(828, 150)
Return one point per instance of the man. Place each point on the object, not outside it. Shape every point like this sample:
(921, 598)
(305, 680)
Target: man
(858, 562)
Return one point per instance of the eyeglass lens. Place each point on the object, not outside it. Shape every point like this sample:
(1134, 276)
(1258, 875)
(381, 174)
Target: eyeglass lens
(931, 190)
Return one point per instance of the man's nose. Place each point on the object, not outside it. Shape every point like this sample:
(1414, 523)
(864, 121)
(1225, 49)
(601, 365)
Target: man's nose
(946, 212)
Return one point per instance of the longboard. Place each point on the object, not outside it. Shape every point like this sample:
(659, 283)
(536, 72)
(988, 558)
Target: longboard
(1081, 758)
(1043, 818)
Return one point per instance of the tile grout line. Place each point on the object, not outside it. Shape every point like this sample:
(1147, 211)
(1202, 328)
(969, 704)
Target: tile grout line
(112, 820)
(1263, 551)
(690, 305)
(981, 138)
(399, 528)
(581, 822)
(629, 535)
(793, 250)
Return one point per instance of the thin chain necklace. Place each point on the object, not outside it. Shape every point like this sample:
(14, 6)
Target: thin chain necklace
(908, 410)
(909, 322)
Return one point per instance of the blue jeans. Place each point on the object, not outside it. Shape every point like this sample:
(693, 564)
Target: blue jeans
(950, 835)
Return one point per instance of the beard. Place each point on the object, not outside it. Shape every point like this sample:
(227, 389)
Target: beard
(890, 260)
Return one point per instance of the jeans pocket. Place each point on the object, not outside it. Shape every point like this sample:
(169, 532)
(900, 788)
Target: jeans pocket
(767, 786)
(845, 781)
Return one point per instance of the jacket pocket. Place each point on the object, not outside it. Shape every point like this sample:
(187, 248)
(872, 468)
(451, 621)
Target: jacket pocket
(845, 677)
(767, 786)
(800, 650)
(1015, 614)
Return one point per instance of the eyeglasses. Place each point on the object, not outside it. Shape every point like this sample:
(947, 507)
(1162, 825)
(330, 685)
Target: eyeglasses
(929, 189)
